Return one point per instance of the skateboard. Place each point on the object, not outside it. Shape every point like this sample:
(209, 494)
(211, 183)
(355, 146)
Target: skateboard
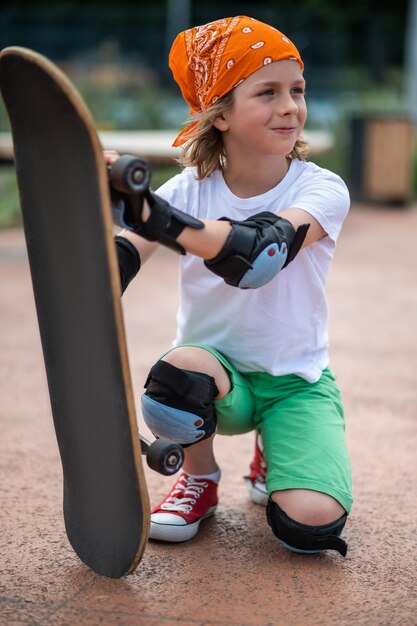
(65, 200)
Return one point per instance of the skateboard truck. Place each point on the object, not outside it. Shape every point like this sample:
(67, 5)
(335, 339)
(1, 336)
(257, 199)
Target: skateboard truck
(162, 455)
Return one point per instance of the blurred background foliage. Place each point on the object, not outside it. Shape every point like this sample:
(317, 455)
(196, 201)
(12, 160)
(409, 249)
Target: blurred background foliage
(116, 55)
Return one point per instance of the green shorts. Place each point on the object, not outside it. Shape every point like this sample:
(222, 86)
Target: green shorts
(302, 427)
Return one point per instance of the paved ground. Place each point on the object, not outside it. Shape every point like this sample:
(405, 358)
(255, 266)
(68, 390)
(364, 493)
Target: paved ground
(234, 572)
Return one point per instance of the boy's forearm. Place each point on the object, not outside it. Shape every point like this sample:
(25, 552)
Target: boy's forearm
(207, 242)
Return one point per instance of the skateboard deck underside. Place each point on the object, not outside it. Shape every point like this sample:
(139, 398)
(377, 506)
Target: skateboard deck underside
(66, 213)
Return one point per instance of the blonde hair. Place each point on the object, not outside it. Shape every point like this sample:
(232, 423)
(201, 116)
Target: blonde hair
(204, 148)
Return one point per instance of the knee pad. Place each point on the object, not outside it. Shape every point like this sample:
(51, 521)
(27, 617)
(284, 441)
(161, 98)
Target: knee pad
(303, 538)
(178, 404)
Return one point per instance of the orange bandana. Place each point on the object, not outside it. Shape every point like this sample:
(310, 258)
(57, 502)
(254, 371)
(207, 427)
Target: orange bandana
(208, 61)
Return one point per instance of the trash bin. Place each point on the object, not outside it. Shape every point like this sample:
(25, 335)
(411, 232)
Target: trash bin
(382, 150)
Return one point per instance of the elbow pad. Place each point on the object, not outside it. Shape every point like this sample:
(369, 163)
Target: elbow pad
(257, 249)
(129, 261)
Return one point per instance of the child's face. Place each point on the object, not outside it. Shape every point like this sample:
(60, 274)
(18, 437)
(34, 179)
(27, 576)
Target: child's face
(268, 112)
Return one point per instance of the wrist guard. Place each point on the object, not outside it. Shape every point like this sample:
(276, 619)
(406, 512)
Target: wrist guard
(129, 261)
(257, 249)
(129, 187)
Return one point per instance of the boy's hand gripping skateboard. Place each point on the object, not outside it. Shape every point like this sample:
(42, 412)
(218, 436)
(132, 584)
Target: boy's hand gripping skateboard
(64, 195)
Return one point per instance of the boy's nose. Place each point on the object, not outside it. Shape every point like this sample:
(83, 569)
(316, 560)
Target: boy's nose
(287, 106)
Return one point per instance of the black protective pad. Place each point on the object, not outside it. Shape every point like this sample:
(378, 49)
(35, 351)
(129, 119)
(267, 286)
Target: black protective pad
(304, 537)
(63, 189)
(129, 261)
(249, 238)
(186, 390)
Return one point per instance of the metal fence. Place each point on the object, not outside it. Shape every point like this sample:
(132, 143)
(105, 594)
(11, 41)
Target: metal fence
(143, 32)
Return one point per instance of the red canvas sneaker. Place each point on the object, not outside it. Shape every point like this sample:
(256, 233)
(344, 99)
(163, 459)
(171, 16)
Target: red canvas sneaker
(255, 481)
(178, 516)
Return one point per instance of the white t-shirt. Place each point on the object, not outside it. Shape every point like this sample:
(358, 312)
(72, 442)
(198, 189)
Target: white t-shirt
(280, 328)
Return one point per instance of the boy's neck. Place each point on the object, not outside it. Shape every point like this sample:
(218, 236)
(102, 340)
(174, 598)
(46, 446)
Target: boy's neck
(250, 179)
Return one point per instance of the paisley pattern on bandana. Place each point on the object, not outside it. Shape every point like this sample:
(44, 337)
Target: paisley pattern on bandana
(205, 51)
(208, 61)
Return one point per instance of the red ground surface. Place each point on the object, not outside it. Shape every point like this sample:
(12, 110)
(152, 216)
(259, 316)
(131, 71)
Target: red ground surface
(234, 572)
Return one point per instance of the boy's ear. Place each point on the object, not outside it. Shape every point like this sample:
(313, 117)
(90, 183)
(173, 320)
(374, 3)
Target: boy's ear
(220, 122)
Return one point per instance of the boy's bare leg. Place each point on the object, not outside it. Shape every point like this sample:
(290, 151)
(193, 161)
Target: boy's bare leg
(199, 458)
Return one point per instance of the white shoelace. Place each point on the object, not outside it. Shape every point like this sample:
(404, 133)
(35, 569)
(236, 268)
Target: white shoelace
(191, 489)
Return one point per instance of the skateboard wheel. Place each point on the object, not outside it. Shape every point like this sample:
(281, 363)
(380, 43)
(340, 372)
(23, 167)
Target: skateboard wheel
(130, 175)
(165, 457)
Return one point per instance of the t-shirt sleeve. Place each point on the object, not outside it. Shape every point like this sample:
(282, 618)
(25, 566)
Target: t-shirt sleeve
(325, 196)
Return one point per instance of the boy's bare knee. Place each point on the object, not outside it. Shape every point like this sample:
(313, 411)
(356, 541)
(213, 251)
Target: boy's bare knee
(200, 360)
(312, 508)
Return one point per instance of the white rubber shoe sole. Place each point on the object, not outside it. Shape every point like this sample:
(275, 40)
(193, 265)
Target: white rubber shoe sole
(173, 528)
(257, 492)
